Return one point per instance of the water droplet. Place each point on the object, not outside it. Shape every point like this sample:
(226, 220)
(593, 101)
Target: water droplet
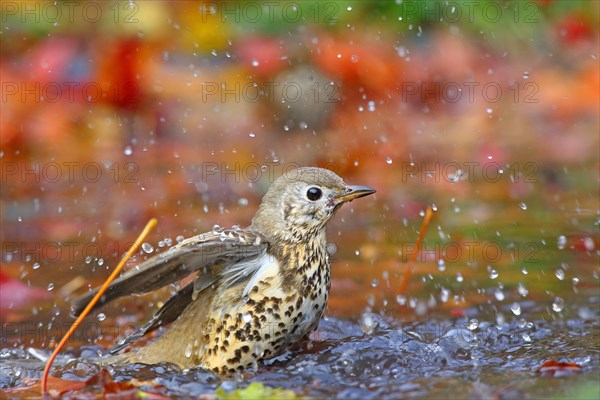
(516, 308)
(522, 290)
(36, 265)
(369, 322)
(459, 277)
(371, 105)
(243, 201)
(523, 206)
(179, 239)
(331, 248)
(401, 300)
(589, 244)
(50, 286)
(88, 260)
(252, 134)
(444, 295)
(101, 317)
(246, 317)
(473, 324)
(357, 252)
(526, 75)
(489, 110)
(374, 283)
(147, 247)
(560, 274)
(562, 242)
(499, 294)
(558, 304)
(100, 262)
(259, 350)
(441, 265)
(128, 150)
(255, 63)
(402, 51)
(493, 273)
(188, 350)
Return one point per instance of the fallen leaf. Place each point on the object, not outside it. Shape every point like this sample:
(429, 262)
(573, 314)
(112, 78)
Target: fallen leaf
(457, 313)
(555, 368)
(32, 388)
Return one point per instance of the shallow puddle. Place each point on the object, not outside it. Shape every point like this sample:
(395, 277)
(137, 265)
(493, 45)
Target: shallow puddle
(378, 357)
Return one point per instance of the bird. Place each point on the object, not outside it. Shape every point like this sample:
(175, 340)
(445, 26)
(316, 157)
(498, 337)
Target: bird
(257, 290)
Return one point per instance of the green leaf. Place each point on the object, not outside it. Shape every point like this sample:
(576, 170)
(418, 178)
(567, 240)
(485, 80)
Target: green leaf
(257, 390)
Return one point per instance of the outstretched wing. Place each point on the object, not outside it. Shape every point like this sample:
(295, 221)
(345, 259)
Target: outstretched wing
(163, 316)
(208, 254)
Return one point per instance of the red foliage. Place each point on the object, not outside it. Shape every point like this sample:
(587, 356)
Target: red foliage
(574, 29)
(122, 72)
(359, 64)
(15, 294)
(553, 368)
(263, 56)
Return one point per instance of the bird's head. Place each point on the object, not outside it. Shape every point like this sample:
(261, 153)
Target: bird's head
(300, 203)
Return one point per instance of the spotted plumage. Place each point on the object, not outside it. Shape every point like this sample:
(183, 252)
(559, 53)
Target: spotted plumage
(257, 290)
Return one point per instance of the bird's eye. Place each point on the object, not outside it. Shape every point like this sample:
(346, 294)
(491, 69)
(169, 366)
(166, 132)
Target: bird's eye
(314, 194)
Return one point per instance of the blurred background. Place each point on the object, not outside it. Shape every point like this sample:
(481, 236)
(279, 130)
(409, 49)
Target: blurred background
(487, 111)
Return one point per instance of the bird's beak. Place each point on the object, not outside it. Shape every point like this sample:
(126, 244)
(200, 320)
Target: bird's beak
(354, 192)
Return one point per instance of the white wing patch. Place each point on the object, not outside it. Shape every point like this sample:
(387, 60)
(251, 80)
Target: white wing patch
(241, 270)
(269, 268)
(256, 269)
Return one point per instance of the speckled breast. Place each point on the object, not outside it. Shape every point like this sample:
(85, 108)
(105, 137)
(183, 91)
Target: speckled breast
(270, 317)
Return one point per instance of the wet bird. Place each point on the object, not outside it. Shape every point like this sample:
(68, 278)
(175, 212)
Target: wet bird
(258, 290)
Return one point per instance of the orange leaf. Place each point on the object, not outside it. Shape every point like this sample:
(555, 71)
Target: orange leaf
(552, 368)
(59, 386)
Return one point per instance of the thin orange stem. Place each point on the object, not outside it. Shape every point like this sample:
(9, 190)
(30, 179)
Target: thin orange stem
(409, 267)
(134, 247)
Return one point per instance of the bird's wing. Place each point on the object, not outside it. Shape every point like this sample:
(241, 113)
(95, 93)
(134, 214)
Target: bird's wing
(233, 273)
(208, 254)
(163, 316)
